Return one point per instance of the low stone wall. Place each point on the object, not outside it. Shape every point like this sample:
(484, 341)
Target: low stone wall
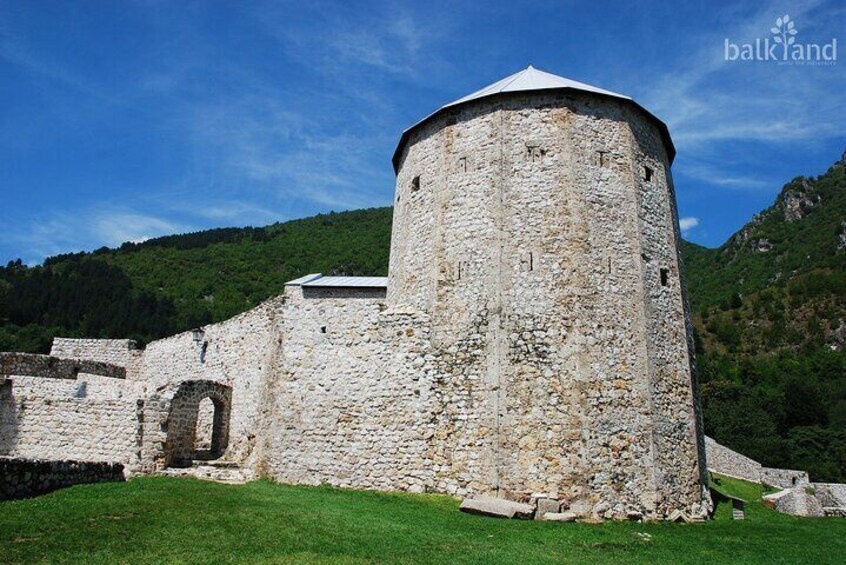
(831, 495)
(724, 461)
(120, 352)
(22, 478)
(46, 366)
(91, 418)
(784, 478)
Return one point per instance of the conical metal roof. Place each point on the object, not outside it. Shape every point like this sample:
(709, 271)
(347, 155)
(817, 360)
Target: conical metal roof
(531, 78)
(526, 80)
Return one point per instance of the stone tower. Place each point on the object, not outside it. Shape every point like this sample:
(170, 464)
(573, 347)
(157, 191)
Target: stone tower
(535, 224)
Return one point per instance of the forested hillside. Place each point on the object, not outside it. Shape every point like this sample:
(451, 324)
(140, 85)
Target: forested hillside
(770, 316)
(152, 289)
(769, 306)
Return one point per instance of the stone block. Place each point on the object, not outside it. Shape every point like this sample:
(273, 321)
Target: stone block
(497, 507)
(547, 506)
(560, 516)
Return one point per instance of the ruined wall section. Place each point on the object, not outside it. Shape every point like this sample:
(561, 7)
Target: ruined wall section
(728, 462)
(91, 418)
(235, 353)
(120, 352)
(352, 388)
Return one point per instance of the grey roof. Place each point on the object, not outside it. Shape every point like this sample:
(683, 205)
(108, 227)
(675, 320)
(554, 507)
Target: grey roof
(318, 280)
(530, 79)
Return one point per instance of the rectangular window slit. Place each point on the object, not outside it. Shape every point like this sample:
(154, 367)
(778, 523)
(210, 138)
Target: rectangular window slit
(647, 174)
(415, 184)
(665, 277)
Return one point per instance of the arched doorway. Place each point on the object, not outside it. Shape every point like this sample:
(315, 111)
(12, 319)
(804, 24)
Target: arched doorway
(197, 423)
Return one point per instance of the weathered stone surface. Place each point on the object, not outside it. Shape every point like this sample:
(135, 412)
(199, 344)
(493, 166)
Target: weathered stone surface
(45, 366)
(784, 478)
(497, 507)
(799, 502)
(727, 462)
(22, 478)
(547, 505)
(560, 516)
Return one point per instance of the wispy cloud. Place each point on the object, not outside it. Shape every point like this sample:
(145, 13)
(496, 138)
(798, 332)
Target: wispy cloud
(85, 229)
(711, 100)
(718, 173)
(687, 224)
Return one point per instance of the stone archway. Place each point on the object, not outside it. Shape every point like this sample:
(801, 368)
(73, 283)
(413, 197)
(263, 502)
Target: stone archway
(180, 448)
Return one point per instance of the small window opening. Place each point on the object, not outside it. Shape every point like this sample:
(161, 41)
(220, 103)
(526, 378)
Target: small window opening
(462, 165)
(534, 153)
(527, 262)
(323, 329)
(460, 269)
(665, 277)
(602, 158)
(415, 184)
(647, 174)
(609, 265)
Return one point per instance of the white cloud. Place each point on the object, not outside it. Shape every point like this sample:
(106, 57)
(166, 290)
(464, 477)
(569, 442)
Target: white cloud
(687, 224)
(706, 100)
(87, 229)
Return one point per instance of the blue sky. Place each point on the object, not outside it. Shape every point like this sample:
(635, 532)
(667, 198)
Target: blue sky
(127, 120)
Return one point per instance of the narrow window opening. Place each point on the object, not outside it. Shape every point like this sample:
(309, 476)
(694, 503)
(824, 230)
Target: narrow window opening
(647, 174)
(534, 154)
(323, 329)
(665, 277)
(460, 269)
(415, 184)
(527, 262)
(602, 158)
(609, 265)
(462, 165)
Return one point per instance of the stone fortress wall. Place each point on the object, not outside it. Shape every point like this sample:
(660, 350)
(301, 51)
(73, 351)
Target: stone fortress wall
(533, 340)
(119, 352)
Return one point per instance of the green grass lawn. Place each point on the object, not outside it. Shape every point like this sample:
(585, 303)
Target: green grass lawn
(154, 520)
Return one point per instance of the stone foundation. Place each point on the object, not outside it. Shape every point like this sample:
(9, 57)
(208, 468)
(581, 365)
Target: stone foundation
(23, 478)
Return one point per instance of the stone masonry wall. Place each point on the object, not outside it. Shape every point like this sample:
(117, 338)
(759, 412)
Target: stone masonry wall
(90, 418)
(784, 478)
(22, 478)
(526, 227)
(724, 461)
(120, 352)
(831, 495)
(46, 366)
(352, 395)
(236, 353)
